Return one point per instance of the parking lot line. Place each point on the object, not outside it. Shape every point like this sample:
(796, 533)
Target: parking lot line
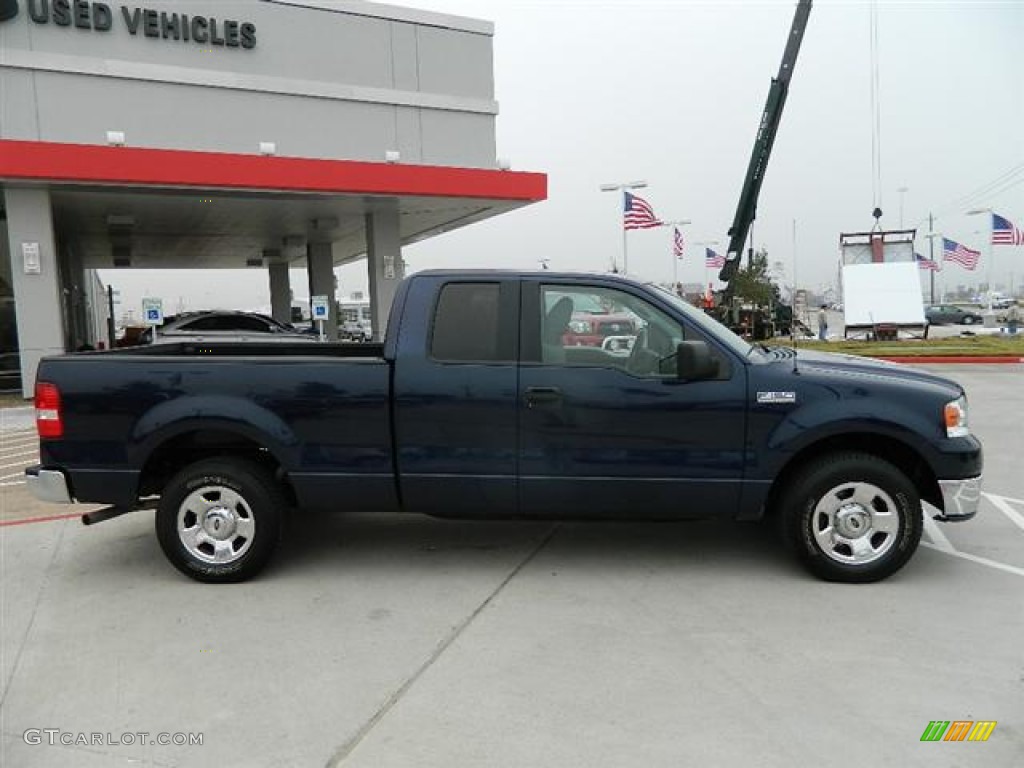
(8, 485)
(18, 433)
(27, 439)
(975, 559)
(6, 449)
(9, 451)
(20, 464)
(6, 456)
(1002, 503)
(939, 540)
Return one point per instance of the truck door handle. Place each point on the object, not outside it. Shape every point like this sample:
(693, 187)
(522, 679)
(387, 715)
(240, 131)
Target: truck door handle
(542, 395)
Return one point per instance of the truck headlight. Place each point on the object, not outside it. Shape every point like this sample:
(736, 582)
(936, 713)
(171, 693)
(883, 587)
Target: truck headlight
(955, 414)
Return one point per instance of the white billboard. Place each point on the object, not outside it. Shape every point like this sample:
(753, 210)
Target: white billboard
(886, 293)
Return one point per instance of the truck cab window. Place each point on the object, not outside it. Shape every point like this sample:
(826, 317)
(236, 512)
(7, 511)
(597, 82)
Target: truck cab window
(466, 323)
(605, 327)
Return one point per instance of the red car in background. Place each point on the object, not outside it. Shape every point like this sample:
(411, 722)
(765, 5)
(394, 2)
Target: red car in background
(587, 329)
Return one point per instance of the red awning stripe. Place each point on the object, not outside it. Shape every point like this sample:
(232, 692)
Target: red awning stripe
(136, 166)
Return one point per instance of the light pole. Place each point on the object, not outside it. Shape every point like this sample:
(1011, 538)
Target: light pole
(989, 320)
(932, 234)
(675, 259)
(623, 186)
(902, 191)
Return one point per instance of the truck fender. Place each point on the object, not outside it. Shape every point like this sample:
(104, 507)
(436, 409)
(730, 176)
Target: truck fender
(205, 412)
(817, 421)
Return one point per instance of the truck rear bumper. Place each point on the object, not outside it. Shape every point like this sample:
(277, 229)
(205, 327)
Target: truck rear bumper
(48, 485)
(960, 499)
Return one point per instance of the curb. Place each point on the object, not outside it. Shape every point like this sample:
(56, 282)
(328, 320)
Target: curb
(953, 359)
(43, 519)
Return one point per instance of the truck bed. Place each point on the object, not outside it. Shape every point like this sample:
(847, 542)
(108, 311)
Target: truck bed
(325, 409)
(245, 349)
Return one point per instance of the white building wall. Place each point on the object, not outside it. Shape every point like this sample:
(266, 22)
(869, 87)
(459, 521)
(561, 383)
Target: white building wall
(351, 83)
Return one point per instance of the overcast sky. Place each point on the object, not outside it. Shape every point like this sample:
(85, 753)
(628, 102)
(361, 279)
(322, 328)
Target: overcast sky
(671, 92)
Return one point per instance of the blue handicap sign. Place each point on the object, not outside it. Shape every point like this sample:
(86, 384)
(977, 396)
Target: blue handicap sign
(153, 314)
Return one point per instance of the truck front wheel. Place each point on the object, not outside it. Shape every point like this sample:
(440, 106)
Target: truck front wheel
(219, 520)
(851, 517)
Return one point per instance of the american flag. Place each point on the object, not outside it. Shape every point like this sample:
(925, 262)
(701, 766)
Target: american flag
(713, 260)
(638, 213)
(1004, 233)
(925, 263)
(961, 254)
(677, 243)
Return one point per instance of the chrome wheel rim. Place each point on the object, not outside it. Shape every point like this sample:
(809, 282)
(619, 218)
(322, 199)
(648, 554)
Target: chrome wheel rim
(215, 525)
(855, 523)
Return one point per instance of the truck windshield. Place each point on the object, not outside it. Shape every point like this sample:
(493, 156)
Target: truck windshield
(705, 322)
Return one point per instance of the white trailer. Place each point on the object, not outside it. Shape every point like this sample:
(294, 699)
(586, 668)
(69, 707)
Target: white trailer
(881, 284)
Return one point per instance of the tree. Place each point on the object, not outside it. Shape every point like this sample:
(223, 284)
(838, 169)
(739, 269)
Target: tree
(753, 283)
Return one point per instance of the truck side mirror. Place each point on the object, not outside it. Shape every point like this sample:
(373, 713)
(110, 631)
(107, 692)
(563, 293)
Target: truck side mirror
(694, 361)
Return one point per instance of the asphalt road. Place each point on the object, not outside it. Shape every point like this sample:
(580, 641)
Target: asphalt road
(391, 641)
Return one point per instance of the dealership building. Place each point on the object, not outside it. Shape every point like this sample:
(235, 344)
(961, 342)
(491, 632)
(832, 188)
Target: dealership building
(253, 134)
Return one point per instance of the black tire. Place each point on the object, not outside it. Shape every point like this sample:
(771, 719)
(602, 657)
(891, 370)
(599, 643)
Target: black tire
(219, 520)
(851, 517)
(969, 320)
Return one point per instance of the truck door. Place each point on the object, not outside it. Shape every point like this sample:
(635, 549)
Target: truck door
(606, 428)
(456, 387)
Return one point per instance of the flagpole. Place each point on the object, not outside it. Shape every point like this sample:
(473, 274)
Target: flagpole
(625, 242)
(931, 255)
(623, 187)
(991, 256)
(704, 244)
(675, 261)
(674, 225)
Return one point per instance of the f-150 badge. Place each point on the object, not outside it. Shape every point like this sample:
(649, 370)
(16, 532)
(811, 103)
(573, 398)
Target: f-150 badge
(776, 397)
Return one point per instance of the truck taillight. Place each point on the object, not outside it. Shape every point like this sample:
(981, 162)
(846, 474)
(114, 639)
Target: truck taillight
(48, 417)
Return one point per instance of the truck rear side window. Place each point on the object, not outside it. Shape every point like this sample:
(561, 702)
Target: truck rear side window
(466, 323)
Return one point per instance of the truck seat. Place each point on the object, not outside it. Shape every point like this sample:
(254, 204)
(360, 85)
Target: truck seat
(555, 323)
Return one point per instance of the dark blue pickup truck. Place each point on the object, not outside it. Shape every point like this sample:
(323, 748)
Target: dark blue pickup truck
(483, 403)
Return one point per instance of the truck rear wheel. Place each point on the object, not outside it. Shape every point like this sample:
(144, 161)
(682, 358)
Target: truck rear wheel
(219, 520)
(851, 517)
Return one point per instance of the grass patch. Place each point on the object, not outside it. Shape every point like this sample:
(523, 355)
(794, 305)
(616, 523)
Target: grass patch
(978, 346)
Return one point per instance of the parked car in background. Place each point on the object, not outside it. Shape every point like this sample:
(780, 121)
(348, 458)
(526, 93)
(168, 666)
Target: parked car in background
(356, 322)
(131, 336)
(590, 329)
(354, 330)
(223, 325)
(941, 314)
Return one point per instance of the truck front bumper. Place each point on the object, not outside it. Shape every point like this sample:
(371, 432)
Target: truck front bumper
(48, 485)
(960, 499)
